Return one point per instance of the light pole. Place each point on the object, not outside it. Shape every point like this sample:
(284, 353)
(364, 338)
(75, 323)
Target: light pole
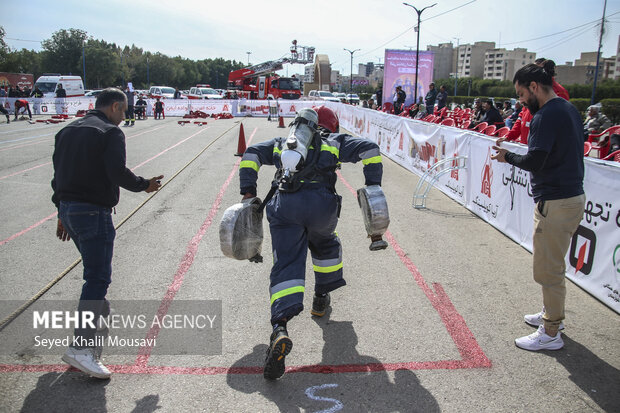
(122, 71)
(417, 51)
(598, 54)
(84, 63)
(351, 77)
(456, 72)
(249, 53)
(148, 80)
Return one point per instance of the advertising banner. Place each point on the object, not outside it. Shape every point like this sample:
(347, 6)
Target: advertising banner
(500, 193)
(400, 69)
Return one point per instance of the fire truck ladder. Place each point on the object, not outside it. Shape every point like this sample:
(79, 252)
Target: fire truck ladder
(427, 181)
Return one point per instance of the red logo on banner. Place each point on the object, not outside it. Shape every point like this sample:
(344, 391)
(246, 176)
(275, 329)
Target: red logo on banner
(225, 109)
(293, 109)
(91, 106)
(487, 175)
(455, 173)
(400, 142)
(43, 108)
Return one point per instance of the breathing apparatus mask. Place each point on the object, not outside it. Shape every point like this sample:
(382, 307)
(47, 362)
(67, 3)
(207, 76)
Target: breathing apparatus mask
(299, 139)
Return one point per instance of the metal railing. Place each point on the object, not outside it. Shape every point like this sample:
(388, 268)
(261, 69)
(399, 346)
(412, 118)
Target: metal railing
(427, 181)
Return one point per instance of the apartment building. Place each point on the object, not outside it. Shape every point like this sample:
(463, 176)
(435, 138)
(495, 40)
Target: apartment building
(470, 59)
(502, 64)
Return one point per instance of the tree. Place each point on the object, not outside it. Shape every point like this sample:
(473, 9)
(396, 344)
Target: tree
(63, 52)
(4, 48)
(102, 64)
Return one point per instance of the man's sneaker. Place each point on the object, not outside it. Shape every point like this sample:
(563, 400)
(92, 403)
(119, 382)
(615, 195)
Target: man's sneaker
(278, 349)
(320, 304)
(86, 361)
(536, 320)
(540, 341)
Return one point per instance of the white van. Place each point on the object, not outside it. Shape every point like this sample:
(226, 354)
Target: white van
(48, 84)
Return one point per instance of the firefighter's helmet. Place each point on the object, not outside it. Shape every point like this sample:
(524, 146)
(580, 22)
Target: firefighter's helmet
(327, 118)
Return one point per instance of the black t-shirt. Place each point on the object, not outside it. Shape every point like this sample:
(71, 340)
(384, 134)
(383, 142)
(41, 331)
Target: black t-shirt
(556, 129)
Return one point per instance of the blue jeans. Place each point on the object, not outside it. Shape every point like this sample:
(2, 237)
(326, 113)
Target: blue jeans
(92, 230)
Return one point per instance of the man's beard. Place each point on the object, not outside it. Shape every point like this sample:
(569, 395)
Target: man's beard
(532, 104)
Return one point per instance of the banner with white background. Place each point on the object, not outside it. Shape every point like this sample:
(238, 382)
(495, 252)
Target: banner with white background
(501, 194)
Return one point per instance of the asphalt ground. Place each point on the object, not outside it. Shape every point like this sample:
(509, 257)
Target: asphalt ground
(427, 325)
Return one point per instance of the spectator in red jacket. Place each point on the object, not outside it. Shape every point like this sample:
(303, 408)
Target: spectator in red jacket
(521, 127)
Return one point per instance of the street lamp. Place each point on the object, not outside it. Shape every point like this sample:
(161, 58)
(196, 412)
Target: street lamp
(122, 71)
(456, 73)
(351, 77)
(417, 51)
(148, 80)
(84, 63)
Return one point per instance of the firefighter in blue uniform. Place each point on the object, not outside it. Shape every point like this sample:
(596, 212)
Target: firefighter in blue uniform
(303, 215)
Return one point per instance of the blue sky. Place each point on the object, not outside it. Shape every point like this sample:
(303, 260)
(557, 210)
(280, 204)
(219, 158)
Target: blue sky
(208, 29)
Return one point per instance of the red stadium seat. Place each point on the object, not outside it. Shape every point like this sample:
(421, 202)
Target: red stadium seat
(489, 130)
(587, 147)
(614, 156)
(388, 107)
(481, 126)
(501, 132)
(448, 122)
(602, 147)
(465, 124)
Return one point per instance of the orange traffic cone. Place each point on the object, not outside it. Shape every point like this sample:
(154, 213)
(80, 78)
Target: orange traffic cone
(281, 124)
(241, 144)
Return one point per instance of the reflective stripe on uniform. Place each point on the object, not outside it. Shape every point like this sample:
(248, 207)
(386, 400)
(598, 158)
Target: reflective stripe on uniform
(335, 151)
(250, 160)
(374, 159)
(371, 156)
(287, 288)
(328, 265)
(249, 164)
(277, 150)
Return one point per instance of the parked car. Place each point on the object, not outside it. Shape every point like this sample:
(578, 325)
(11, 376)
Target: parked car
(341, 96)
(203, 92)
(353, 99)
(164, 92)
(323, 95)
(93, 93)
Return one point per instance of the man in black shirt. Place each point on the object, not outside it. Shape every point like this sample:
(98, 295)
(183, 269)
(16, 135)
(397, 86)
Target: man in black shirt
(491, 114)
(89, 167)
(400, 100)
(129, 115)
(555, 161)
(61, 92)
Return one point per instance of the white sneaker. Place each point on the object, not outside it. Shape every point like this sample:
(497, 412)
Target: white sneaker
(86, 361)
(540, 341)
(536, 320)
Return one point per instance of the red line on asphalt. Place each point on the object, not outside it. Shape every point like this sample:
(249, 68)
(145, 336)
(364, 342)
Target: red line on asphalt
(188, 259)
(25, 170)
(167, 149)
(466, 343)
(25, 144)
(22, 232)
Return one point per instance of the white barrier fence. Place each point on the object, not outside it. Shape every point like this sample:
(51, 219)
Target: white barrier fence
(172, 107)
(501, 195)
